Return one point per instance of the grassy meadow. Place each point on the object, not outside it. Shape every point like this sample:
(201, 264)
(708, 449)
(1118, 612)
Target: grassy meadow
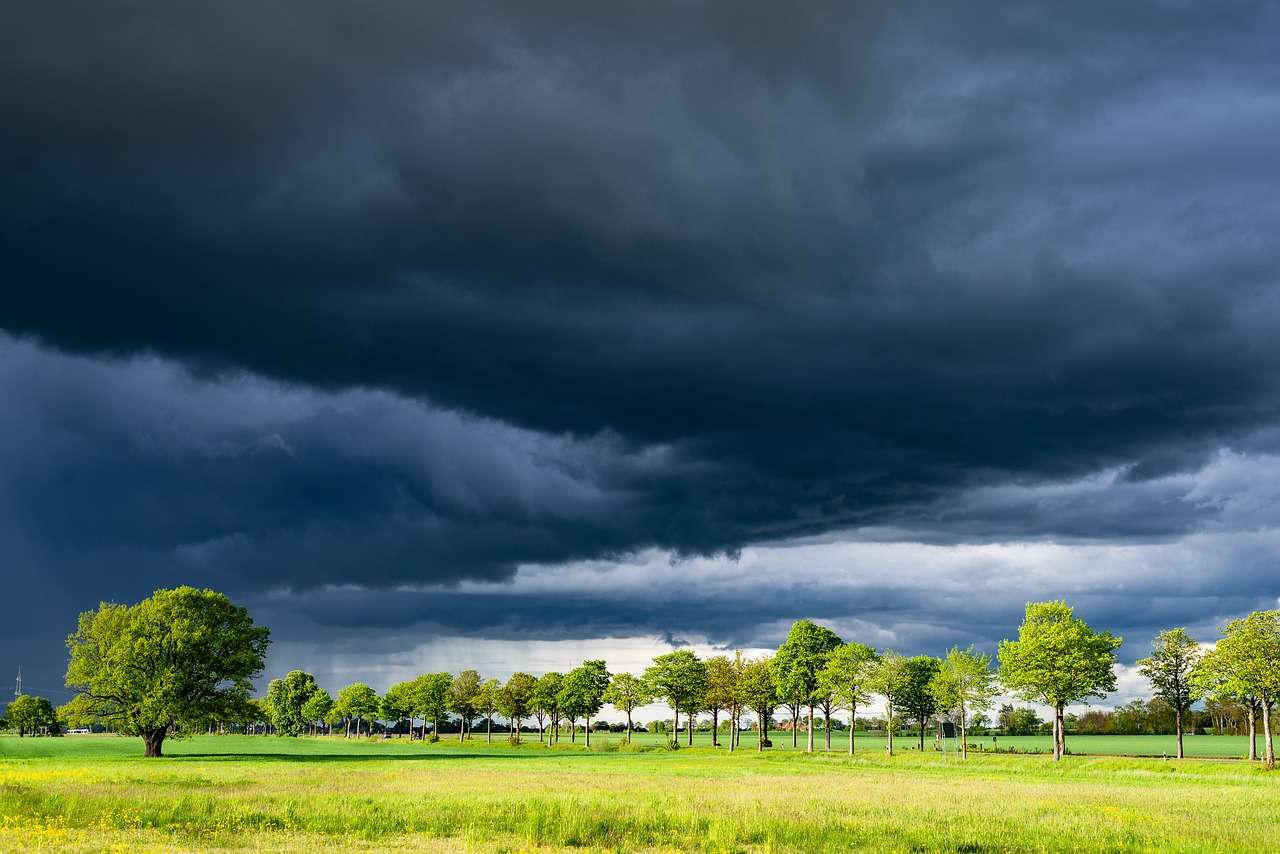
(234, 793)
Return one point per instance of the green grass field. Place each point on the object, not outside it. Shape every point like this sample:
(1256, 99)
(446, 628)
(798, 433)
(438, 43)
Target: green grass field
(232, 793)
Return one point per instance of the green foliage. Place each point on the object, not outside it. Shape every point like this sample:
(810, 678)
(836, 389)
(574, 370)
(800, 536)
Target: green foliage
(1057, 659)
(723, 676)
(1246, 663)
(964, 682)
(358, 702)
(546, 696)
(964, 685)
(1174, 656)
(462, 696)
(317, 707)
(800, 660)
(429, 697)
(848, 674)
(31, 715)
(627, 692)
(582, 695)
(178, 660)
(516, 698)
(680, 678)
(916, 699)
(285, 699)
(759, 688)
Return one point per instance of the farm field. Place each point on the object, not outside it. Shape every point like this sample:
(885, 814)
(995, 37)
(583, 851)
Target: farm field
(233, 793)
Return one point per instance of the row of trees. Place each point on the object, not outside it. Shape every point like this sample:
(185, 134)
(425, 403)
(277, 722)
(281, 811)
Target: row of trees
(184, 660)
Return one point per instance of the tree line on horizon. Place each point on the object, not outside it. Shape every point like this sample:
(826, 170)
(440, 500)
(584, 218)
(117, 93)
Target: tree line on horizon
(183, 661)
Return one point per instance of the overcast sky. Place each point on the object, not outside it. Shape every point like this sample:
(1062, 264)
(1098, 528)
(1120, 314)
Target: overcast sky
(502, 334)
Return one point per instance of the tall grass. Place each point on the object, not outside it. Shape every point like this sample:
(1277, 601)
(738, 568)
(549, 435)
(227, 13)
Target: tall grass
(315, 794)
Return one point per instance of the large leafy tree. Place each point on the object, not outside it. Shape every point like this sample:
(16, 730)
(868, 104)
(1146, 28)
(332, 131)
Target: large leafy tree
(799, 661)
(626, 693)
(357, 702)
(582, 695)
(397, 704)
(1168, 668)
(1216, 679)
(963, 684)
(890, 679)
(760, 694)
(1247, 660)
(316, 709)
(546, 703)
(680, 678)
(847, 678)
(514, 701)
(285, 698)
(29, 714)
(721, 693)
(462, 697)
(175, 661)
(429, 699)
(1058, 659)
(917, 701)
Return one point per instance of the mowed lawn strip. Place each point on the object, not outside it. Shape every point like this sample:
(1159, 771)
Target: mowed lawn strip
(253, 793)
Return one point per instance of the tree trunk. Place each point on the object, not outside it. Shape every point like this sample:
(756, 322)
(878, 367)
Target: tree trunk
(922, 735)
(675, 725)
(1269, 757)
(1177, 722)
(888, 727)
(689, 722)
(715, 727)
(488, 729)
(733, 729)
(826, 728)
(795, 731)
(808, 746)
(153, 739)
(573, 730)
(587, 731)
(761, 727)
(853, 724)
(964, 738)
(1253, 734)
(628, 726)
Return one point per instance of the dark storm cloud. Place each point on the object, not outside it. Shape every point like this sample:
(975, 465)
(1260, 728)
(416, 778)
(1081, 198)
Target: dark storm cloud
(467, 287)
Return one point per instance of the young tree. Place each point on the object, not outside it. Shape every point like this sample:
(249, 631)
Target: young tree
(514, 701)
(1248, 662)
(890, 679)
(174, 661)
(964, 683)
(429, 698)
(31, 714)
(1213, 678)
(760, 695)
(1173, 658)
(1057, 659)
(284, 701)
(358, 702)
(680, 678)
(847, 678)
(626, 693)
(487, 698)
(316, 709)
(722, 677)
(397, 704)
(917, 701)
(583, 692)
(461, 699)
(797, 664)
(546, 700)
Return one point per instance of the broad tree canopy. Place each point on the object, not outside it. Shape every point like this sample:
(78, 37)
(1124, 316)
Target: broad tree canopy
(178, 660)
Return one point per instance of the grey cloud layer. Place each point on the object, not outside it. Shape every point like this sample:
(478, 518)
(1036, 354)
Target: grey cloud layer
(464, 288)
